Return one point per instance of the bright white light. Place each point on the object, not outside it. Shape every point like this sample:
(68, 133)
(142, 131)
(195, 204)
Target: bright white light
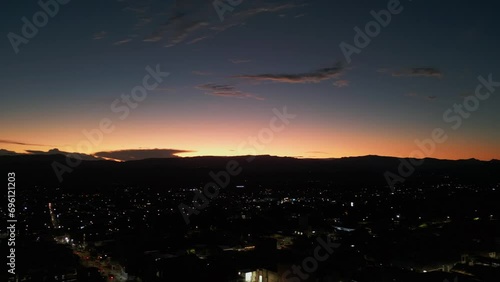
(248, 277)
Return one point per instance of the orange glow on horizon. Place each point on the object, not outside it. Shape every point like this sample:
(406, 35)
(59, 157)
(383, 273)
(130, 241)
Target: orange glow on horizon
(232, 137)
(300, 143)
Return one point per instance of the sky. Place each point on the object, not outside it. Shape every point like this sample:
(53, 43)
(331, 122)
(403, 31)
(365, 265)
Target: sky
(232, 65)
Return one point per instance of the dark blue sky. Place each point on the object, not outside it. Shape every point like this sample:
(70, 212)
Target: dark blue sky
(227, 76)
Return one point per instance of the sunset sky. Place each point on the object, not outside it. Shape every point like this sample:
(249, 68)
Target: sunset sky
(226, 77)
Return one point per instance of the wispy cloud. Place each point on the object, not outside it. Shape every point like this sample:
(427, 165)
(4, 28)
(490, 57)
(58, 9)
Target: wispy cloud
(186, 30)
(309, 77)
(99, 35)
(142, 11)
(416, 72)
(178, 28)
(11, 142)
(197, 39)
(224, 90)
(140, 154)
(191, 21)
(121, 42)
(266, 8)
(341, 83)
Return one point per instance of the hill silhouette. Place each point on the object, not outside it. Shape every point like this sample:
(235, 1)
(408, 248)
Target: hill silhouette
(348, 172)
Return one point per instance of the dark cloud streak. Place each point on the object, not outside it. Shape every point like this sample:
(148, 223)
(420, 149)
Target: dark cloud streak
(140, 154)
(224, 90)
(3, 141)
(419, 72)
(310, 77)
